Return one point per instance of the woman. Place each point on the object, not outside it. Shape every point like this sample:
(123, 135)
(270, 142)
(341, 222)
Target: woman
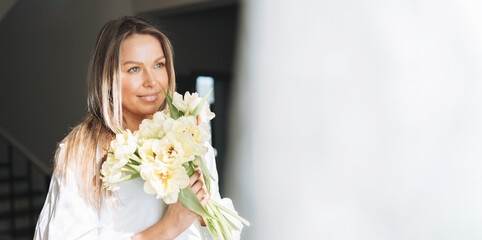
(131, 67)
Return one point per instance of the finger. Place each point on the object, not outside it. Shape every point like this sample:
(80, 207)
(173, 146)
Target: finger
(197, 186)
(201, 179)
(194, 177)
(201, 176)
(200, 194)
(205, 198)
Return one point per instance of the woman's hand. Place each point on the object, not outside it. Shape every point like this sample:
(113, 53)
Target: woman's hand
(178, 218)
(182, 215)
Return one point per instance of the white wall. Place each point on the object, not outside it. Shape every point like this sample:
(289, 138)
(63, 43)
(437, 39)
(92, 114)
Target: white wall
(358, 120)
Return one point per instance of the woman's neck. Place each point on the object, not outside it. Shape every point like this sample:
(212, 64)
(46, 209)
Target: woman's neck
(132, 122)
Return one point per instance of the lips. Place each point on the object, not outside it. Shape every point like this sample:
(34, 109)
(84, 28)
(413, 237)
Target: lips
(150, 97)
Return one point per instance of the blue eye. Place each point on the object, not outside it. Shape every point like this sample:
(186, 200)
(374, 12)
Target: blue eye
(160, 65)
(134, 69)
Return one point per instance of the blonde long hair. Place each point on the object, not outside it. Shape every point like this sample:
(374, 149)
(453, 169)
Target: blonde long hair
(79, 152)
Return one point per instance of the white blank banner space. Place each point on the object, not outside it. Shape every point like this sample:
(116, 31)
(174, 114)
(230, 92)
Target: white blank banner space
(358, 120)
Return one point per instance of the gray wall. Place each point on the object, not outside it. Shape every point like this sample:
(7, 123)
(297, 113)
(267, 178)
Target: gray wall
(45, 48)
(203, 39)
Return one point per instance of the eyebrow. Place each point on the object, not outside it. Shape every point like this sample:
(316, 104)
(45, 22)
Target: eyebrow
(140, 63)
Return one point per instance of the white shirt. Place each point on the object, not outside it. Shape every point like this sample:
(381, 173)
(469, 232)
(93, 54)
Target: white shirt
(65, 214)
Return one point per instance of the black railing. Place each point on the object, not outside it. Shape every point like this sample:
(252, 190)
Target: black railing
(26, 180)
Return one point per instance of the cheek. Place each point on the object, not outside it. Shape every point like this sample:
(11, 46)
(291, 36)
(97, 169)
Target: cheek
(128, 88)
(164, 80)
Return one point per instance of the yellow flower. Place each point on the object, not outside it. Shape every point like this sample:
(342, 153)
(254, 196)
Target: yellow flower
(164, 180)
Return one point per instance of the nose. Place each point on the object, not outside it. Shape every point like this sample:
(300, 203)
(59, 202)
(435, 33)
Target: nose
(149, 78)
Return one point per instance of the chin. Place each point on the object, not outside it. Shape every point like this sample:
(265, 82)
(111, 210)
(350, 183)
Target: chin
(155, 109)
(145, 112)
(151, 111)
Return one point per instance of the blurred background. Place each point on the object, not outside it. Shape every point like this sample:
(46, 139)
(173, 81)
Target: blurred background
(334, 119)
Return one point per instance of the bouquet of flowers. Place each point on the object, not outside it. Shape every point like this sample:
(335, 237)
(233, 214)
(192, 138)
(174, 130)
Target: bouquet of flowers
(165, 152)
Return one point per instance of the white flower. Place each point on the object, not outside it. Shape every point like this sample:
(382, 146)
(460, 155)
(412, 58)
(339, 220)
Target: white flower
(199, 133)
(175, 148)
(145, 150)
(123, 148)
(206, 114)
(111, 171)
(153, 127)
(189, 103)
(178, 102)
(164, 180)
(192, 100)
(124, 145)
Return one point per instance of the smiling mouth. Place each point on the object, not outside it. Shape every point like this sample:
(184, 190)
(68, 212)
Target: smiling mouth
(149, 97)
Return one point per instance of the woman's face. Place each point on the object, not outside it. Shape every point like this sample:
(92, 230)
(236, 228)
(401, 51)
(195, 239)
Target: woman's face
(143, 75)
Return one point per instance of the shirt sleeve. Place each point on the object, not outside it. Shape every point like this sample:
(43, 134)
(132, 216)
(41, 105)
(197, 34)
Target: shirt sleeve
(216, 196)
(65, 215)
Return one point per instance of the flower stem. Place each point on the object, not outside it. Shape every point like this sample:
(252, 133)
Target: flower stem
(244, 221)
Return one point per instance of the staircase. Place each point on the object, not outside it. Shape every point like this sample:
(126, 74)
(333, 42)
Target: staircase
(23, 186)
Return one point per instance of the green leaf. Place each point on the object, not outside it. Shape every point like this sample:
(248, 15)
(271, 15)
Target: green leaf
(174, 111)
(216, 230)
(226, 225)
(233, 226)
(135, 159)
(207, 176)
(189, 169)
(133, 168)
(194, 166)
(220, 216)
(120, 130)
(223, 225)
(188, 198)
(154, 136)
(128, 169)
(134, 162)
(201, 104)
(210, 225)
(128, 177)
(133, 176)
